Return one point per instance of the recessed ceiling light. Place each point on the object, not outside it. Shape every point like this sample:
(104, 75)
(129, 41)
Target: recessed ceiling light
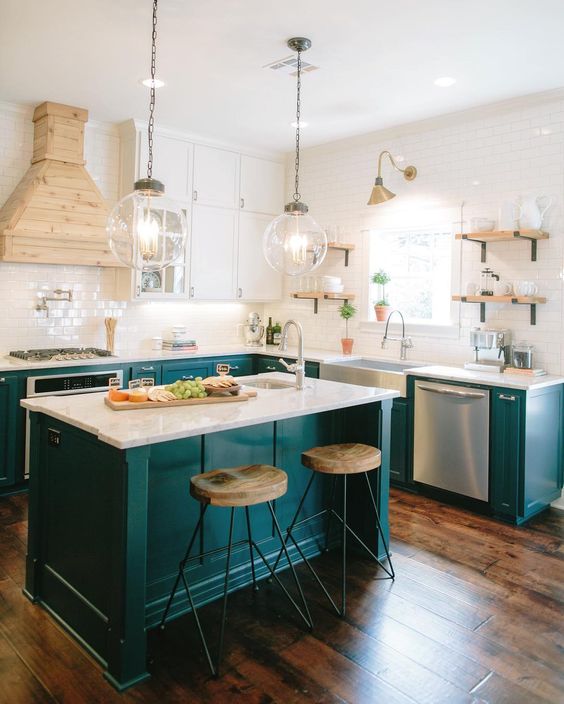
(444, 81)
(302, 124)
(149, 83)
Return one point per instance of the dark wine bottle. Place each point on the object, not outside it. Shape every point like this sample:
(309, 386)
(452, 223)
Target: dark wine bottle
(269, 332)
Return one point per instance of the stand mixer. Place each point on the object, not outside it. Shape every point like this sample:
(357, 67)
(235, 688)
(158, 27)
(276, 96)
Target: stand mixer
(492, 350)
(253, 331)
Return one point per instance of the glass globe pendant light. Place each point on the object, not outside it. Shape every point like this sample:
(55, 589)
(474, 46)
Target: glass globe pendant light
(147, 230)
(293, 243)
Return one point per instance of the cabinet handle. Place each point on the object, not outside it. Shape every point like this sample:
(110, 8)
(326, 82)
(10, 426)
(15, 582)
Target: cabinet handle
(239, 293)
(188, 378)
(233, 369)
(242, 202)
(191, 292)
(270, 369)
(504, 397)
(138, 291)
(195, 195)
(147, 369)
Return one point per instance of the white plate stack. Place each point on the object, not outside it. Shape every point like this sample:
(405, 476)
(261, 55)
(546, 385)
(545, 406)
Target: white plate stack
(332, 284)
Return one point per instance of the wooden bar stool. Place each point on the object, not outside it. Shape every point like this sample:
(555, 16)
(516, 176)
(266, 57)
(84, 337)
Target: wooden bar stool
(342, 459)
(237, 487)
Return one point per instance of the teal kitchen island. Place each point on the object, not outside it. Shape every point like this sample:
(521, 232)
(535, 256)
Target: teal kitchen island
(110, 511)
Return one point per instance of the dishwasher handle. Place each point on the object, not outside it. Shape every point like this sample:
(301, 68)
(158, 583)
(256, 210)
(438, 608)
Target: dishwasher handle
(449, 392)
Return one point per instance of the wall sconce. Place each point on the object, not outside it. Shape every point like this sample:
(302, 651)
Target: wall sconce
(61, 295)
(380, 194)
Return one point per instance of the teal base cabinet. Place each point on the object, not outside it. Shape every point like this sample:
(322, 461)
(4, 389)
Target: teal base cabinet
(172, 371)
(106, 536)
(400, 454)
(147, 370)
(239, 366)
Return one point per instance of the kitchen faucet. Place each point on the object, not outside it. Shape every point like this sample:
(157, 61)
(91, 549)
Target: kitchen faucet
(406, 342)
(298, 367)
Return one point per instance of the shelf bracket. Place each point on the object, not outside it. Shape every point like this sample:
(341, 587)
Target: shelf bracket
(315, 305)
(482, 248)
(533, 308)
(533, 242)
(346, 257)
(482, 312)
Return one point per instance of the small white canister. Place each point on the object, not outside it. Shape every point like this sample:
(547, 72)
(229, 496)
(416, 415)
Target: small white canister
(156, 343)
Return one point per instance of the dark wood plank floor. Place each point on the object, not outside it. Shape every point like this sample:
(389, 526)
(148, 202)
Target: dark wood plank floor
(474, 615)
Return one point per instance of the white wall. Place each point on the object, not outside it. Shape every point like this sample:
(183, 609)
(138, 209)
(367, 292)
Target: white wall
(481, 157)
(82, 321)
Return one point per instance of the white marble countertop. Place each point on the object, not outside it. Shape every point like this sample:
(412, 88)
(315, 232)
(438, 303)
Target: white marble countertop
(125, 429)
(512, 381)
(14, 364)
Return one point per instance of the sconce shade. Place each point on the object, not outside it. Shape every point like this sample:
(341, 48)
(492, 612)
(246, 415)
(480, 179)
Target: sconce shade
(380, 194)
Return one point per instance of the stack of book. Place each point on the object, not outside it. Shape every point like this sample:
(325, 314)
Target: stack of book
(180, 345)
(524, 372)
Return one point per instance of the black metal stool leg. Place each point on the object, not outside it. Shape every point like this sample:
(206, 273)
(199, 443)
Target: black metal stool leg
(226, 588)
(392, 574)
(344, 550)
(330, 513)
(255, 585)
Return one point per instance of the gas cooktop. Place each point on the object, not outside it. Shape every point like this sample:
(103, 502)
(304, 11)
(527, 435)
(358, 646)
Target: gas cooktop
(60, 354)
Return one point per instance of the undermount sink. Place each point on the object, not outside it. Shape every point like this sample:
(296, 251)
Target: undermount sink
(269, 384)
(368, 372)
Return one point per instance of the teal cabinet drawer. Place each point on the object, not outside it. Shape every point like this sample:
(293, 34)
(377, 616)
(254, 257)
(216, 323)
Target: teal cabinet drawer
(9, 413)
(506, 465)
(239, 366)
(271, 364)
(185, 370)
(147, 370)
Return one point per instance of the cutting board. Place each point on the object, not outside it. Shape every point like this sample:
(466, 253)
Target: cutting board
(134, 406)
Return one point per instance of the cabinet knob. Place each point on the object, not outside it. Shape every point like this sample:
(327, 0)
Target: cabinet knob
(239, 293)
(195, 195)
(504, 397)
(242, 202)
(2, 379)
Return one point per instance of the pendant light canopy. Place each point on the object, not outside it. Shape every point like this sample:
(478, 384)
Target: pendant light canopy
(147, 230)
(380, 194)
(293, 243)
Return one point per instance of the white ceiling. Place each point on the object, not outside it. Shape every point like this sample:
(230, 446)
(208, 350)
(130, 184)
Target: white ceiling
(378, 60)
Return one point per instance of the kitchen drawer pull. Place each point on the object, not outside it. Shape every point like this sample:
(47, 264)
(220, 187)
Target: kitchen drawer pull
(195, 195)
(270, 369)
(147, 369)
(187, 378)
(449, 392)
(504, 397)
(233, 369)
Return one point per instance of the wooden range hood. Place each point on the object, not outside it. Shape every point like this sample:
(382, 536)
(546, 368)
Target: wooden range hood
(56, 215)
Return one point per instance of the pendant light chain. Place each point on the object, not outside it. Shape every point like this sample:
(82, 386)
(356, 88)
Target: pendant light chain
(152, 95)
(297, 194)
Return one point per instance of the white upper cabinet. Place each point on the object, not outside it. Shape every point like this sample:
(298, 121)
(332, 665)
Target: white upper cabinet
(213, 256)
(256, 280)
(262, 185)
(216, 177)
(172, 164)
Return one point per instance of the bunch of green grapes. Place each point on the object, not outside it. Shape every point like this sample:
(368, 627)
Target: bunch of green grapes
(189, 388)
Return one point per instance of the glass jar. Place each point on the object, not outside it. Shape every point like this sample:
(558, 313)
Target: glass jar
(523, 355)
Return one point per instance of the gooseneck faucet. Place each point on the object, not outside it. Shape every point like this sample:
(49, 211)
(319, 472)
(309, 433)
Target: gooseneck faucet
(298, 368)
(406, 342)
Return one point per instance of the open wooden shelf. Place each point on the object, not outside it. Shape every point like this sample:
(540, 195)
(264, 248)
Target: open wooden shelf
(519, 300)
(483, 238)
(344, 246)
(316, 296)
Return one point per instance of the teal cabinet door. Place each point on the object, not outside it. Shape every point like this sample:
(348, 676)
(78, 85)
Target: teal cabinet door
(239, 366)
(172, 371)
(271, 364)
(147, 370)
(506, 462)
(400, 451)
(9, 413)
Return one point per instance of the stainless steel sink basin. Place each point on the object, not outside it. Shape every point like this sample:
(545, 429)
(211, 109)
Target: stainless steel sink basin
(368, 372)
(269, 384)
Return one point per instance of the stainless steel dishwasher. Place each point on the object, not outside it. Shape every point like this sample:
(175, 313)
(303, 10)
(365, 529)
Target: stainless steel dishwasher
(451, 438)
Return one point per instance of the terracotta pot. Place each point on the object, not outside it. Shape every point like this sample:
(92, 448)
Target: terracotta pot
(381, 313)
(347, 344)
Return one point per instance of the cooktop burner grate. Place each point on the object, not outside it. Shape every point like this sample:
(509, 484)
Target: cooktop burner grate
(60, 354)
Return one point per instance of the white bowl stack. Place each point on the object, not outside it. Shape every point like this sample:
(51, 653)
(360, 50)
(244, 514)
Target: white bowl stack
(332, 284)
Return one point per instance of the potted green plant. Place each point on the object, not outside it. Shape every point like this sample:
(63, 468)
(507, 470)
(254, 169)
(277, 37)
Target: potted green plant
(381, 305)
(347, 311)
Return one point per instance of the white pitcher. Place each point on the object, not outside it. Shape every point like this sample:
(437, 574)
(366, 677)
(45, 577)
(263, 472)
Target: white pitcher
(533, 211)
(510, 216)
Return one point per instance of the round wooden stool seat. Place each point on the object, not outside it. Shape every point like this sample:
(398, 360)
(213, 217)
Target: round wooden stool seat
(239, 486)
(344, 458)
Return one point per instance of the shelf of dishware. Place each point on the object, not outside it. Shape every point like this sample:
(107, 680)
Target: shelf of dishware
(316, 296)
(484, 237)
(518, 300)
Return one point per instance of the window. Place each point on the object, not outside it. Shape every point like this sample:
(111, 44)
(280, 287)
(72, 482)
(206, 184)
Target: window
(419, 263)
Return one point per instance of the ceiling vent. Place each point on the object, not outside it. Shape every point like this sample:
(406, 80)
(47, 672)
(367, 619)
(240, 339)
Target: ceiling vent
(289, 66)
